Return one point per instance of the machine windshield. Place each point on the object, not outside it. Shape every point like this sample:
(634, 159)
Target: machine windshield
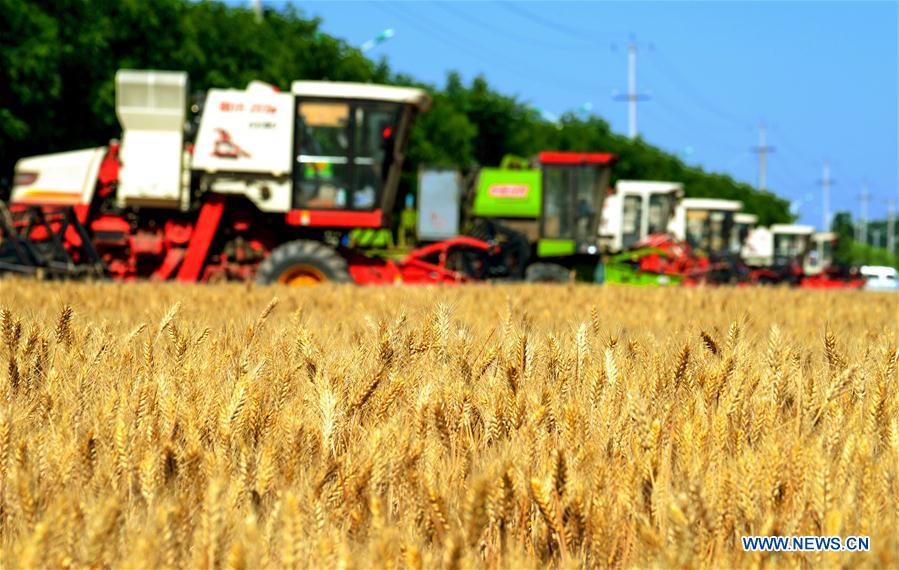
(344, 153)
(557, 197)
(738, 236)
(661, 208)
(827, 252)
(788, 247)
(572, 198)
(631, 215)
(709, 231)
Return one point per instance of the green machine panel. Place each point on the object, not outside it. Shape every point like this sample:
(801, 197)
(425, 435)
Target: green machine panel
(556, 247)
(508, 193)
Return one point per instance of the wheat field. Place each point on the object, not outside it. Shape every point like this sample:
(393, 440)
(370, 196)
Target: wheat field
(149, 425)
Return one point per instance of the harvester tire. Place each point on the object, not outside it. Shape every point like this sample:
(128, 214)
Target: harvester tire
(303, 262)
(547, 273)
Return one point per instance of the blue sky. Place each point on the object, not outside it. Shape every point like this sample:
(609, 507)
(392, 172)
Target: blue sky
(821, 75)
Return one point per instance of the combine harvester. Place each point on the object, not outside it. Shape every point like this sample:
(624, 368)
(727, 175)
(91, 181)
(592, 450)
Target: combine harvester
(797, 255)
(548, 208)
(261, 184)
(635, 234)
(656, 238)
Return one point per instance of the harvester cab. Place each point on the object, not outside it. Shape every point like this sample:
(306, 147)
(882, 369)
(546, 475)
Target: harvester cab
(796, 254)
(744, 224)
(820, 255)
(324, 151)
(637, 209)
(706, 225)
(555, 200)
(790, 243)
(776, 253)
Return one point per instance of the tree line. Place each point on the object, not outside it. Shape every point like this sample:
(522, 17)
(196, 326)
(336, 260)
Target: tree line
(853, 252)
(58, 60)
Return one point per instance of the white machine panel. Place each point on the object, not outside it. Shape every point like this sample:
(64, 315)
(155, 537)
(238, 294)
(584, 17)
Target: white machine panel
(61, 178)
(246, 131)
(150, 106)
(439, 191)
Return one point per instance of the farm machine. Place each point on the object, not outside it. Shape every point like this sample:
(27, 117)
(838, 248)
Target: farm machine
(656, 238)
(744, 224)
(637, 209)
(547, 210)
(257, 183)
(797, 255)
(543, 214)
(635, 234)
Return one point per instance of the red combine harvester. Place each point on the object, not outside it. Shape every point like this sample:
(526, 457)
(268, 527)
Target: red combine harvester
(260, 184)
(673, 241)
(797, 255)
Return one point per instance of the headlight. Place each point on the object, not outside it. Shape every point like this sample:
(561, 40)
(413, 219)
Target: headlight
(24, 178)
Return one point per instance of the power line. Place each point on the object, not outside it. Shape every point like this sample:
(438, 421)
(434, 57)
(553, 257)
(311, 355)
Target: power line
(675, 110)
(523, 39)
(786, 143)
(437, 31)
(676, 77)
(565, 29)
(663, 119)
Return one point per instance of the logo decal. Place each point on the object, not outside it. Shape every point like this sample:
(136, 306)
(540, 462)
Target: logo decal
(509, 190)
(227, 148)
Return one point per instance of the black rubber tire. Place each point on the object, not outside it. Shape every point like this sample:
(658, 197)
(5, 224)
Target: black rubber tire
(546, 273)
(303, 252)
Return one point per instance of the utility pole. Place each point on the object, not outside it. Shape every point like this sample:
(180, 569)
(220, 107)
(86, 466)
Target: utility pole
(891, 226)
(257, 8)
(826, 182)
(863, 199)
(632, 97)
(762, 150)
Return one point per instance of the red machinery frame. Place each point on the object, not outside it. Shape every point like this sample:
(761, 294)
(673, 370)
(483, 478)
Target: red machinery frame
(417, 267)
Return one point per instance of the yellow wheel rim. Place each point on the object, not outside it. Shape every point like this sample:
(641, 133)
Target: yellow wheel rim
(302, 276)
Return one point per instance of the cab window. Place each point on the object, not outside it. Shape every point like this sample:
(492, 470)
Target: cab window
(557, 202)
(661, 207)
(631, 216)
(698, 230)
(344, 153)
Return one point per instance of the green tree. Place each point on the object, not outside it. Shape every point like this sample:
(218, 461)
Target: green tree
(851, 252)
(58, 60)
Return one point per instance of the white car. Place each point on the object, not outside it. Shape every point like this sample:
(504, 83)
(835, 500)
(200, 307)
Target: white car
(880, 278)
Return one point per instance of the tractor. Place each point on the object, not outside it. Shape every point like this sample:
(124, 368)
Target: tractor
(253, 183)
